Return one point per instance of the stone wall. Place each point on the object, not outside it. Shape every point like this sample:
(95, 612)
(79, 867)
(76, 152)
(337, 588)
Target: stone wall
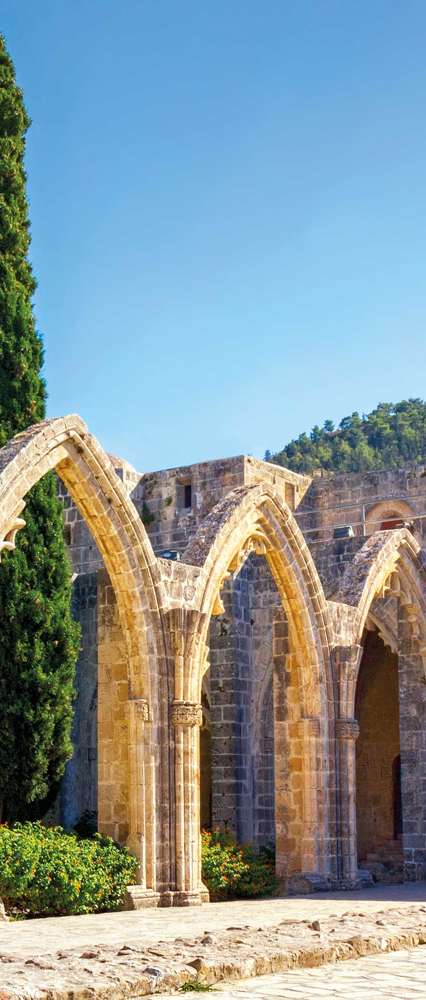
(362, 501)
(238, 692)
(378, 747)
(79, 786)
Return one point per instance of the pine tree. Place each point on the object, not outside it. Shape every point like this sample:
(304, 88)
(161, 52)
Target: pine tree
(386, 438)
(38, 638)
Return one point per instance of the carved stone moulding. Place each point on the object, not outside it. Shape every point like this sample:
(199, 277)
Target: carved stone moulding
(186, 713)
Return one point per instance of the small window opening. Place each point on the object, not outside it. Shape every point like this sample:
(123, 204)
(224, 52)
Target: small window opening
(184, 494)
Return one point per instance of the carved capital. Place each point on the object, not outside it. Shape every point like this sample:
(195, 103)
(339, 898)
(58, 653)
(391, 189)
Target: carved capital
(140, 707)
(347, 729)
(187, 713)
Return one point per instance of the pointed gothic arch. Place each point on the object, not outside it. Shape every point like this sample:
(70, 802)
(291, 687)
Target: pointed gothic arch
(256, 519)
(126, 703)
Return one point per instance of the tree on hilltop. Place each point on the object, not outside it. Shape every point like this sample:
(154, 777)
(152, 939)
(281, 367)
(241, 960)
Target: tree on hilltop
(390, 436)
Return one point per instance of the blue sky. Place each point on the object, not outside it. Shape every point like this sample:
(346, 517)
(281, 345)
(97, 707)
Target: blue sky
(228, 207)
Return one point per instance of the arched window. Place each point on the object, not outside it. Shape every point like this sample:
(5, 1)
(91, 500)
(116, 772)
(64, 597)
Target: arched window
(388, 515)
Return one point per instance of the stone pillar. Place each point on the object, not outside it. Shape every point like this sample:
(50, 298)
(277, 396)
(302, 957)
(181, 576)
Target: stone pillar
(186, 719)
(126, 785)
(346, 660)
(305, 808)
(412, 722)
(310, 732)
(347, 732)
(141, 841)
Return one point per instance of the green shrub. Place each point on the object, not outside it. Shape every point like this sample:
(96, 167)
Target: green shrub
(45, 871)
(233, 871)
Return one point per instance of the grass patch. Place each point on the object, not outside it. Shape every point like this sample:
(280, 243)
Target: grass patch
(197, 986)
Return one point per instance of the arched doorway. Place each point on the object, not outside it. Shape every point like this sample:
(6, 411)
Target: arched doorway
(378, 761)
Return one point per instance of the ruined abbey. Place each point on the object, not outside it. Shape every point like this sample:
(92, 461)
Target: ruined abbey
(253, 655)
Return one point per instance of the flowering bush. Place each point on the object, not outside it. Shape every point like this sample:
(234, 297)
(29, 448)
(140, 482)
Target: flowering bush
(233, 871)
(45, 871)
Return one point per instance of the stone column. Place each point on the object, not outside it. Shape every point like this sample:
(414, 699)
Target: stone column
(346, 660)
(141, 841)
(310, 732)
(305, 819)
(412, 722)
(186, 720)
(347, 732)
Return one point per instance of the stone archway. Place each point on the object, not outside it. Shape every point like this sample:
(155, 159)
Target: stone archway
(385, 582)
(378, 755)
(387, 515)
(255, 519)
(128, 699)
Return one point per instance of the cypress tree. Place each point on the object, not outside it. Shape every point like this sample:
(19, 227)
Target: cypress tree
(38, 638)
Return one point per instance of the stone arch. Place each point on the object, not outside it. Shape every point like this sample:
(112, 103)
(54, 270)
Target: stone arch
(387, 511)
(388, 565)
(256, 519)
(384, 585)
(128, 697)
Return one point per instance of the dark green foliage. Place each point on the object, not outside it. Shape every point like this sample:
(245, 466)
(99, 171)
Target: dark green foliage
(147, 516)
(47, 872)
(38, 639)
(22, 391)
(235, 871)
(388, 437)
(197, 986)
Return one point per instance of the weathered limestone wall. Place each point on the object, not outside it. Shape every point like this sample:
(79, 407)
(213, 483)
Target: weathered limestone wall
(239, 695)
(364, 501)
(412, 699)
(160, 496)
(79, 791)
(378, 746)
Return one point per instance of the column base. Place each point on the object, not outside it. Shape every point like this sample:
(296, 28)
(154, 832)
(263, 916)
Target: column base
(304, 883)
(351, 883)
(138, 898)
(190, 898)
(204, 892)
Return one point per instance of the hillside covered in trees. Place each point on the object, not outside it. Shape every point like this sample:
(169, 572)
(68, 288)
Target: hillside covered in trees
(390, 436)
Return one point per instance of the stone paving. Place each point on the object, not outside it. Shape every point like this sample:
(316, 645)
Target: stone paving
(149, 926)
(124, 955)
(397, 976)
